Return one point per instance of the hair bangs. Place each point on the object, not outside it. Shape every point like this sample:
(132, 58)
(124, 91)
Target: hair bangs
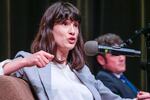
(66, 12)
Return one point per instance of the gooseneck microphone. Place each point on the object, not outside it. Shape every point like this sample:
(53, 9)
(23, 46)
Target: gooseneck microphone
(92, 48)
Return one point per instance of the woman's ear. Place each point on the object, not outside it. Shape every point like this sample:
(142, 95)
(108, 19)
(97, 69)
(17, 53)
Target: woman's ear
(101, 60)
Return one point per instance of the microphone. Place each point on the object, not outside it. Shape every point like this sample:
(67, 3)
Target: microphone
(92, 48)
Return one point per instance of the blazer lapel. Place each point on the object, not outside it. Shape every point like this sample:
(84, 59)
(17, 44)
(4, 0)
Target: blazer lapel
(45, 77)
(89, 85)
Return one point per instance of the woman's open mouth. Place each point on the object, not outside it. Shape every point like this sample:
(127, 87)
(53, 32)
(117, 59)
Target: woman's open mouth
(71, 40)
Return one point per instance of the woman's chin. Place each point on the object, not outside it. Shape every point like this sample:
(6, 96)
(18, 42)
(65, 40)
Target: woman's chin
(70, 47)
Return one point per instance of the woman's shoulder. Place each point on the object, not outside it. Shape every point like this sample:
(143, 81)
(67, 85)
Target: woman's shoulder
(84, 69)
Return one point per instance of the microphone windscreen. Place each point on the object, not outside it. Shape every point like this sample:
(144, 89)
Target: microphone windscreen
(91, 48)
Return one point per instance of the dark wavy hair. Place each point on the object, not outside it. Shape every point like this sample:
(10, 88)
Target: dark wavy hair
(44, 40)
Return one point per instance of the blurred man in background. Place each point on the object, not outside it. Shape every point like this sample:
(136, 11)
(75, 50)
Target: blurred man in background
(113, 67)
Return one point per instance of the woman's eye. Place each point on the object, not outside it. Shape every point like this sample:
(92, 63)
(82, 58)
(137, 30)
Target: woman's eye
(76, 25)
(64, 23)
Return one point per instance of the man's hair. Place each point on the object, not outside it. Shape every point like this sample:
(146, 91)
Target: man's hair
(109, 39)
(58, 13)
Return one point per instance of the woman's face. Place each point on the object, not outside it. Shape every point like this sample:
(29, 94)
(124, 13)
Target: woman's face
(65, 34)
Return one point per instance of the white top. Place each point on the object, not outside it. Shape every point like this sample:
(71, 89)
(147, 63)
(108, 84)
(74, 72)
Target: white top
(66, 85)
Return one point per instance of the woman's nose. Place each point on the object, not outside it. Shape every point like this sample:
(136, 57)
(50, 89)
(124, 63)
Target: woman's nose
(72, 30)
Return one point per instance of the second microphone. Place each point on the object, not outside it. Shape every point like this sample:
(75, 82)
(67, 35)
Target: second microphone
(92, 48)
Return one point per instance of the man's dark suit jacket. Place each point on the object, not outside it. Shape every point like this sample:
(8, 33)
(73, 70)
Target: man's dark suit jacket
(115, 84)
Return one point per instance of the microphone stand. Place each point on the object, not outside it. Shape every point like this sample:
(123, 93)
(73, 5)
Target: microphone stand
(146, 32)
(147, 69)
(146, 65)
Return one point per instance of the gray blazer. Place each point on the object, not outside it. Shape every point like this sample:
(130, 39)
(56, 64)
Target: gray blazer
(40, 80)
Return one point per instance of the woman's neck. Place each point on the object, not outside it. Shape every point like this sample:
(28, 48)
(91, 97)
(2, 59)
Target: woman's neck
(62, 55)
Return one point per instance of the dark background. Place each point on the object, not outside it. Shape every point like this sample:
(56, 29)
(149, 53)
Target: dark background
(19, 21)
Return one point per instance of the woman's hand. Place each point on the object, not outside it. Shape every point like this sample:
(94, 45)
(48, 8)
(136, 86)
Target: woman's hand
(40, 59)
